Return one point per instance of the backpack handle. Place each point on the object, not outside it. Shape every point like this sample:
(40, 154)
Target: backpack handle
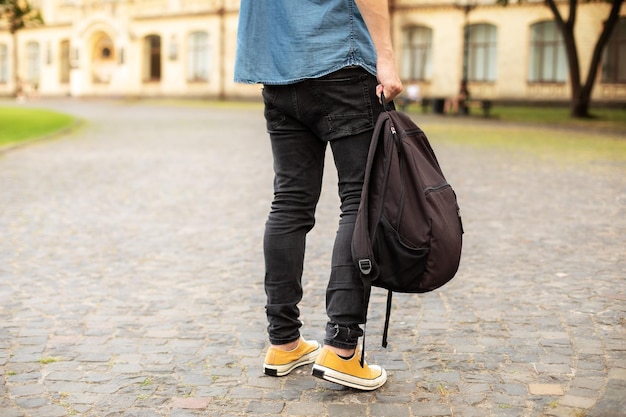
(384, 102)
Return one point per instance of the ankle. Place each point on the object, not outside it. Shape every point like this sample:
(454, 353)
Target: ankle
(287, 346)
(345, 353)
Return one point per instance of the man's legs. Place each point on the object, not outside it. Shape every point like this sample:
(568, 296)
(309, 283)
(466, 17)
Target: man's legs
(340, 360)
(346, 109)
(344, 295)
(350, 106)
(340, 108)
(298, 166)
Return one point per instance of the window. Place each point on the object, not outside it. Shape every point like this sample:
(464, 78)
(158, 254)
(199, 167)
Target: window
(548, 63)
(614, 62)
(152, 58)
(64, 62)
(32, 62)
(4, 64)
(482, 54)
(417, 53)
(198, 57)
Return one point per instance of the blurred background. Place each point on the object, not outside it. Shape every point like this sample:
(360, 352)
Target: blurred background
(515, 52)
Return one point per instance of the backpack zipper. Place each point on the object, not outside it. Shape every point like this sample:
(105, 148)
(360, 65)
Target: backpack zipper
(436, 188)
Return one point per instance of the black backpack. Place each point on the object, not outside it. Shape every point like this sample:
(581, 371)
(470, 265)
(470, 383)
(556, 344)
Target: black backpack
(408, 232)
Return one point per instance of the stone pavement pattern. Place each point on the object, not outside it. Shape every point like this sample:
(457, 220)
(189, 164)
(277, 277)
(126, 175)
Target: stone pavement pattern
(131, 280)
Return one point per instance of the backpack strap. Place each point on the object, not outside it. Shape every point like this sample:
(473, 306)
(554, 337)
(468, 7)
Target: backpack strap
(362, 250)
(398, 142)
(367, 290)
(387, 315)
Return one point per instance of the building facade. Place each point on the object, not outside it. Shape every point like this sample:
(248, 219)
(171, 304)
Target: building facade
(505, 53)
(186, 48)
(144, 48)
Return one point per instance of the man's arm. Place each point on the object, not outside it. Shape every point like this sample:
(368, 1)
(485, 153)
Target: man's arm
(376, 16)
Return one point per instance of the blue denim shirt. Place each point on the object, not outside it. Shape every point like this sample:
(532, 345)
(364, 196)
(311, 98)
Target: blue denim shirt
(286, 41)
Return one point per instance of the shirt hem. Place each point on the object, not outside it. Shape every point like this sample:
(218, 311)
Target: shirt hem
(350, 62)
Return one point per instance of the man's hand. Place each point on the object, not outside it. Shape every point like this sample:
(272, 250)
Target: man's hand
(376, 16)
(389, 81)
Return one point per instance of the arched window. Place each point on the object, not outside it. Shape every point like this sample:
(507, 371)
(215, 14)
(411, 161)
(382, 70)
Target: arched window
(548, 62)
(482, 56)
(198, 58)
(417, 53)
(33, 65)
(152, 58)
(4, 64)
(614, 62)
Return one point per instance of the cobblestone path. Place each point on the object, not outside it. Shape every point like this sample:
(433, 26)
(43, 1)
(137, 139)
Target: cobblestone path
(131, 280)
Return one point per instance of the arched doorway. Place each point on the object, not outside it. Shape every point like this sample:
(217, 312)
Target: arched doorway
(102, 58)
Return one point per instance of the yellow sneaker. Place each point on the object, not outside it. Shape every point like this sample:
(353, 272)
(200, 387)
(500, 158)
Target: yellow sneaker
(281, 362)
(348, 372)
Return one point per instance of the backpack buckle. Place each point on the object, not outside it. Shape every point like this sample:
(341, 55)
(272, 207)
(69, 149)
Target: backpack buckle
(365, 265)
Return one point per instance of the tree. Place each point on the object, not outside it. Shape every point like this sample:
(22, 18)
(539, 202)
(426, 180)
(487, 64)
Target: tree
(581, 92)
(18, 14)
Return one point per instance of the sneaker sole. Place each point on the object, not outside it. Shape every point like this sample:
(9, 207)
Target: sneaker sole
(282, 370)
(347, 380)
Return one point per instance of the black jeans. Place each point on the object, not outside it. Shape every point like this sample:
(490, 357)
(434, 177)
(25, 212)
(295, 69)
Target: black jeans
(341, 109)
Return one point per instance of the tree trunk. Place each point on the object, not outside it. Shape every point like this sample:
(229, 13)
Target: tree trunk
(579, 107)
(581, 94)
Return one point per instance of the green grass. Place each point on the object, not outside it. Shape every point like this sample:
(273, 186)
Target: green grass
(546, 132)
(48, 359)
(602, 119)
(22, 124)
(565, 146)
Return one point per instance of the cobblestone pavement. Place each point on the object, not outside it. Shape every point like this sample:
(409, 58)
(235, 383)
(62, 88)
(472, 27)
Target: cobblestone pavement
(131, 280)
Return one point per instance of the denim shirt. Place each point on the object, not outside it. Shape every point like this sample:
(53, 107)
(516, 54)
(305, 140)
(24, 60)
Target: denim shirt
(286, 41)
